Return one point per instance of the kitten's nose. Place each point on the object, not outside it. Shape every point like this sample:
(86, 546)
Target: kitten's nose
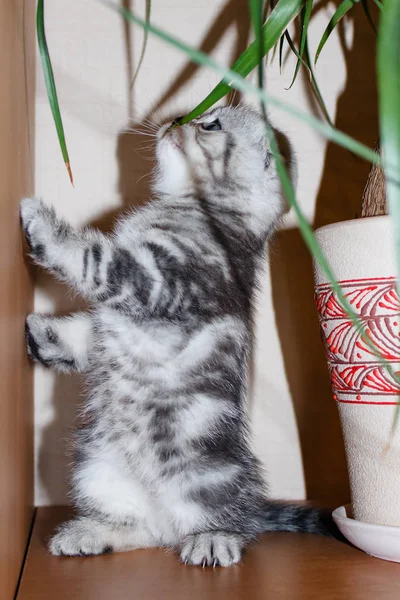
(176, 121)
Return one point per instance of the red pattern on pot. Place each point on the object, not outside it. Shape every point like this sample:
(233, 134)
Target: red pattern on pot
(356, 374)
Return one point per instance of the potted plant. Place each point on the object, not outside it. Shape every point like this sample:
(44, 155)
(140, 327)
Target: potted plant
(356, 262)
(365, 383)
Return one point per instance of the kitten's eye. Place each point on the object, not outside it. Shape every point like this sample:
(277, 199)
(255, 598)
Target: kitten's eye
(213, 126)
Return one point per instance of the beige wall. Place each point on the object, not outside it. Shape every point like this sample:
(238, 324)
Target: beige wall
(295, 423)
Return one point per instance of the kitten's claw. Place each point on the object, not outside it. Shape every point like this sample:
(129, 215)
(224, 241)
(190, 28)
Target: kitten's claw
(212, 549)
(37, 222)
(44, 345)
(79, 538)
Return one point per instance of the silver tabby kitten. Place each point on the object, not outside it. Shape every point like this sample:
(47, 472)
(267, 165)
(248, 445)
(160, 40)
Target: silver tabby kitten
(163, 457)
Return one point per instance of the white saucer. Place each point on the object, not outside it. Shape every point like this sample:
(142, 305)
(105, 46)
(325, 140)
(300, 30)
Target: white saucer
(380, 541)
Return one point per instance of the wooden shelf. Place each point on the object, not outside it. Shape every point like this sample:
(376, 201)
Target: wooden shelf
(282, 566)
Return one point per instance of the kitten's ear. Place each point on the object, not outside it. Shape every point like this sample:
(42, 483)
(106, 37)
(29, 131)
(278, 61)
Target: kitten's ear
(267, 160)
(287, 154)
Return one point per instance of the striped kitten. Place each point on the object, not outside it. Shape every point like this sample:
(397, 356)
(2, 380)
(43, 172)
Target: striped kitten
(163, 457)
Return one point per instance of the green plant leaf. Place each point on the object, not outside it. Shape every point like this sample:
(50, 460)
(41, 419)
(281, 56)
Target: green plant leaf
(388, 66)
(379, 4)
(281, 44)
(282, 14)
(368, 14)
(305, 229)
(268, 7)
(319, 257)
(329, 132)
(144, 45)
(295, 52)
(50, 84)
(342, 9)
(239, 83)
(315, 86)
(305, 15)
(256, 14)
(389, 107)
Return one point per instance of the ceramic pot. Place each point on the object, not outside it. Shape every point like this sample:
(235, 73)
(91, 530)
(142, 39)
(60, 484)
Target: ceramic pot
(361, 254)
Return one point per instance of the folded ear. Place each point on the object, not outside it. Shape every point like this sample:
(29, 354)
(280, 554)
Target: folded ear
(287, 154)
(268, 158)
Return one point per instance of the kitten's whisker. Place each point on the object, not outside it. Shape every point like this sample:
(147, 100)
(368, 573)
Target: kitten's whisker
(145, 122)
(143, 133)
(142, 177)
(146, 147)
(149, 128)
(150, 123)
(144, 126)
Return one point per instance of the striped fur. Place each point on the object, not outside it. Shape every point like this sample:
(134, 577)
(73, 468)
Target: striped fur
(162, 455)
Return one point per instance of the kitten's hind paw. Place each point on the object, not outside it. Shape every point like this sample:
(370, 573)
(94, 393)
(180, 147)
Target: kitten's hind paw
(212, 549)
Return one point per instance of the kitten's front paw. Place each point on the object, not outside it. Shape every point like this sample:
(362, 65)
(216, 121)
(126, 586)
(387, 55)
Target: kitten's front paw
(79, 537)
(37, 222)
(211, 549)
(44, 345)
(37, 337)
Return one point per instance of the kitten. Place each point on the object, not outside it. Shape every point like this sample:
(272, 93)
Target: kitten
(163, 457)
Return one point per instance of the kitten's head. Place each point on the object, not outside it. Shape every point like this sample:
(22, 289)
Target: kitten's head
(224, 149)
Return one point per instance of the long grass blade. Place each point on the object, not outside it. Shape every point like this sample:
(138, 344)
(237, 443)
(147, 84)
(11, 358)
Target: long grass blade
(268, 7)
(315, 86)
(281, 44)
(241, 84)
(295, 52)
(304, 226)
(50, 84)
(388, 64)
(367, 13)
(389, 106)
(342, 9)
(304, 21)
(256, 12)
(144, 45)
(282, 14)
(238, 82)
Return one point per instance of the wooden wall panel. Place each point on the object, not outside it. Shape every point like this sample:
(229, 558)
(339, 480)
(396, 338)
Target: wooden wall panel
(16, 390)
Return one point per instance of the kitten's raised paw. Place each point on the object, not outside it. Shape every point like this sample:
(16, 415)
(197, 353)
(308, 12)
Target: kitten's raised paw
(39, 338)
(80, 537)
(37, 221)
(211, 549)
(44, 345)
(31, 338)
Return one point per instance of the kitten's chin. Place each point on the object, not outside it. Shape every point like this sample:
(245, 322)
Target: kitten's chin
(173, 176)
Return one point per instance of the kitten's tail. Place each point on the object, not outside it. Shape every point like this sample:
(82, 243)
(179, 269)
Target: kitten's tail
(291, 517)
